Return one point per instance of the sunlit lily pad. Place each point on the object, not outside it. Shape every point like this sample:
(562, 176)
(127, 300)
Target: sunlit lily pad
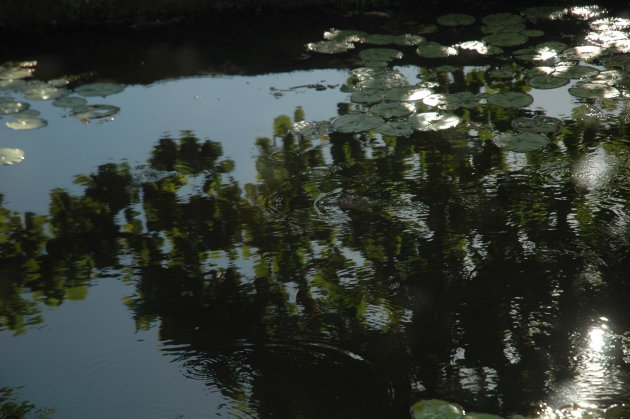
(506, 39)
(436, 409)
(395, 128)
(407, 93)
(555, 46)
(542, 12)
(367, 96)
(433, 121)
(13, 73)
(69, 102)
(380, 54)
(504, 19)
(575, 71)
(26, 122)
(408, 39)
(541, 124)
(583, 52)
(511, 99)
(363, 73)
(441, 101)
(44, 92)
(11, 156)
(435, 50)
(456, 19)
(547, 82)
(325, 47)
(350, 35)
(94, 111)
(594, 91)
(480, 47)
(356, 123)
(384, 81)
(99, 89)
(612, 77)
(392, 109)
(7, 108)
(522, 142)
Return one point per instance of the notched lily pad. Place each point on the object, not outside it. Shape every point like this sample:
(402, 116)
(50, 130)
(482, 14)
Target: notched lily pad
(395, 129)
(7, 108)
(506, 39)
(594, 91)
(522, 142)
(575, 71)
(329, 47)
(367, 96)
(433, 121)
(380, 54)
(583, 52)
(380, 39)
(456, 19)
(465, 100)
(99, 89)
(392, 109)
(26, 122)
(94, 111)
(441, 101)
(407, 93)
(69, 102)
(11, 156)
(480, 47)
(44, 92)
(356, 123)
(547, 82)
(408, 39)
(434, 409)
(511, 99)
(350, 35)
(435, 50)
(540, 124)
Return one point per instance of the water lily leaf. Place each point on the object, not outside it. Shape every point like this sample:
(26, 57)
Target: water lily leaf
(594, 91)
(511, 99)
(380, 39)
(363, 73)
(541, 124)
(11, 156)
(480, 47)
(456, 19)
(356, 123)
(542, 12)
(408, 39)
(547, 82)
(435, 50)
(522, 142)
(465, 100)
(436, 409)
(583, 52)
(532, 33)
(473, 415)
(575, 71)
(506, 39)
(330, 47)
(367, 96)
(501, 73)
(99, 89)
(395, 129)
(385, 81)
(526, 54)
(349, 35)
(392, 109)
(13, 73)
(26, 122)
(44, 92)
(407, 93)
(612, 77)
(441, 101)
(28, 112)
(380, 54)
(433, 121)
(94, 111)
(69, 102)
(555, 46)
(503, 27)
(7, 108)
(504, 19)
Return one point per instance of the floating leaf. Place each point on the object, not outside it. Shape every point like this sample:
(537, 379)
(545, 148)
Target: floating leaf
(7, 108)
(44, 92)
(539, 123)
(408, 39)
(94, 111)
(367, 96)
(532, 33)
(13, 73)
(583, 52)
(480, 47)
(522, 142)
(504, 19)
(594, 91)
(511, 99)
(435, 50)
(329, 47)
(501, 73)
(70, 102)
(380, 54)
(456, 19)
(547, 82)
(99, 89)
(395, 128)
(465, 99)
(380, 39)
(436, 409)
(407, 93)
(506, 39)
(392, 109)
(28, 112)
(27, 122)
(575, 71)
(473, 415)
(440, 101)
(555, 46)
(11, 156)
(433, 121)
(349, 35)
(356, 123)
(386, 81)
(503, 27)
(542, 12)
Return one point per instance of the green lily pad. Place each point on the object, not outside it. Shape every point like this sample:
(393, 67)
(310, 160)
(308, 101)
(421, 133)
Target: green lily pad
(380, 54)
(436, 409)
(433, 121)
(13, 73)
(522, 142)
(356, 123)
(407, 93)
(612, 77)
(540, 124)
(349, 35)
(511, 99)
(69, 102)
(506, 39)
(44, 92)
(435, 50)
(367, 96)
(456, 19)
(392, 109)
(364, 73)
(11, 156)
(395, 129)
(94, 111)
(533, 33)
(547, 82)
(7, 108)
(501, 73)
(386, 81)
(555, 46)
(99, 89)
(503, 27)
(575, 71)
(329, 47)
(583, 52)
(441, 101)
(380, 39)
(480, 47)
(594, 91)
(542, 12)
(465, 100)
(26, 122)
(504, 19)
(28, 112)
(408, 39)
(473, 415)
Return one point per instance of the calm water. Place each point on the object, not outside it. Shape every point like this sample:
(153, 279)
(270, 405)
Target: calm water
(215, 248)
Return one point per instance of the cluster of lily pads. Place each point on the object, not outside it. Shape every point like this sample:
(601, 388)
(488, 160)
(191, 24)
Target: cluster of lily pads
(385, 102)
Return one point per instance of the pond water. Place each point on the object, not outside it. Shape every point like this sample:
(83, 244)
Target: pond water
(430, 211)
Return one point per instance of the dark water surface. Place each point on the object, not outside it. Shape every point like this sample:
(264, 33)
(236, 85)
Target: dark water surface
(224, 245)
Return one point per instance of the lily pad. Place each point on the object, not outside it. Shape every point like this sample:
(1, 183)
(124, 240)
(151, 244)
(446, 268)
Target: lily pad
(407, 93)
(385, 81)
(594, 91)
(94, 111)
(435, 50)
(511, 99)
(456, 19)
(555, 46)
(13, 73)
(69, 102)
(583, 52)
(26, 122)
(506, 39)
(465, 99)
(522, 142)
(504, 19)
(11, 156)
(380, 39)
(501, 73)
(367, 96)
(480, 47)
(380, 54)
(350, 35)
(542, 12)
(356, 123)
(99, 89)
(575, 71)
(433, 121)
(392, 109)
(533, 33)
(547, 82)
(326, 47)
(409, 39)
(436, 409)
(7, 108)
(541, 124)
(44, 92)
(395, 129)
(503, 27)
(441, 101)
